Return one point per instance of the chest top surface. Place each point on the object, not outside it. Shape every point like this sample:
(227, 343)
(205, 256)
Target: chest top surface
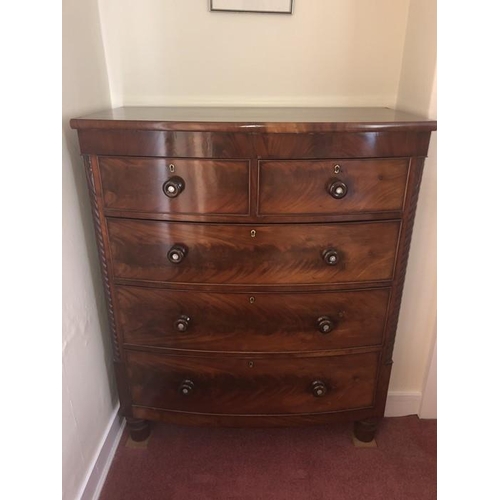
(277, 120)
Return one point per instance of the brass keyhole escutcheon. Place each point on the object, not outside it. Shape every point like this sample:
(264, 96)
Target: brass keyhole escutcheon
(171, 167)
(336, 169)
(252, 300)
(253, 233)
(250, 364)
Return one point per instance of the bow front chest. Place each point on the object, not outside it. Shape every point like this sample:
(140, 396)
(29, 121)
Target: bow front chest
(253, 260)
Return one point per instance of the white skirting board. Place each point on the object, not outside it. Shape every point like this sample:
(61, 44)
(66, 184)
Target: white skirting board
(399, 404)
(104, 457)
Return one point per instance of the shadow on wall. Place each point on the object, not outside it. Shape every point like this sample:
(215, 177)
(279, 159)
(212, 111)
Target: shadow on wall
(75, 169)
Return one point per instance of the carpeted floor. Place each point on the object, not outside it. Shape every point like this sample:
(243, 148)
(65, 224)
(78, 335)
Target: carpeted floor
(317, 463)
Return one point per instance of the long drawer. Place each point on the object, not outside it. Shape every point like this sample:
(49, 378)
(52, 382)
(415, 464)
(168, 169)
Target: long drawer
(251, 322)
(263, 385)
(260, 254)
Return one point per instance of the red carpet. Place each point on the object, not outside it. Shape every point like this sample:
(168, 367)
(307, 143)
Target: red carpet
(184, 463)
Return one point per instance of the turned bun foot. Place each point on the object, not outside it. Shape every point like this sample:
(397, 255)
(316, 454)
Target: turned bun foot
(365, 430)
(138, 428)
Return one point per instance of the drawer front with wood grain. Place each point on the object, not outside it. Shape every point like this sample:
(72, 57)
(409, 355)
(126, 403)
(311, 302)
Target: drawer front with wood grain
(330, 187)
(260, 385)
(262, 254)
(251, 322)
(175, 186)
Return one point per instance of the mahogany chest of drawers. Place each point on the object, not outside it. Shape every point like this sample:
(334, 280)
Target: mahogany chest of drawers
(253, 260)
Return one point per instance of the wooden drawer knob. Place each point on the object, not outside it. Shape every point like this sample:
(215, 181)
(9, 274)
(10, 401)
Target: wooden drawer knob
(186, 387)
(177, 253)
(331, 256)
(318, 388)
(174, 186)
(337, 189)
(325, 324)
(181, 324)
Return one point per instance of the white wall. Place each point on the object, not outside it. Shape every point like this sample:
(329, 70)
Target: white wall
(417, 93)
(87, 379)
(428, 406)
(417, 89)
(329, 52)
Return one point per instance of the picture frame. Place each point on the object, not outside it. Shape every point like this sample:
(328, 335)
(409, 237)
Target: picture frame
(252, 6)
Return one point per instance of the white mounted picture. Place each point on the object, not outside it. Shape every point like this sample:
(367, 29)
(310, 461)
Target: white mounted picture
(265, 6)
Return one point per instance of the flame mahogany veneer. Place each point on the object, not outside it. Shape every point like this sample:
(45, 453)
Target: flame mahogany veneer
(253, 259)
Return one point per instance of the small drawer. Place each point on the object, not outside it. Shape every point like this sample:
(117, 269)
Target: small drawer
(330, 187)
(251, 322)
(265, 254)
(259, 385)
(175, 186)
